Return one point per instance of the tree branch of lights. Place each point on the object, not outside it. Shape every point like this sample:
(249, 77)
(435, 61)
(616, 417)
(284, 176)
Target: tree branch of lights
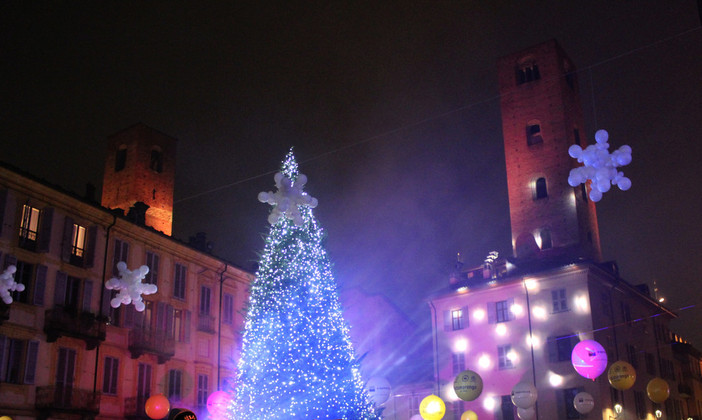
(599, 166)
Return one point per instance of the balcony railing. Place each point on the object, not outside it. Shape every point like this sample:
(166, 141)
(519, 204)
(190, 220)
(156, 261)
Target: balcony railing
(206, 323)
(68, 399)
(135, 407)
(146, 340)
(85, 326)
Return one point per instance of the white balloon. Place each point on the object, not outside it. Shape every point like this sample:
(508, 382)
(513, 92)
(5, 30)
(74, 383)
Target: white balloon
(595, 195)
(601, 136)
(583, 402)
(575, 151)
(524, 395)
(526, 413)
(624, 184)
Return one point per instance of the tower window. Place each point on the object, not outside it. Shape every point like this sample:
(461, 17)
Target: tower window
(533, 133)
(121, 158)
(540, 190)
(527, 71)
(156, 162)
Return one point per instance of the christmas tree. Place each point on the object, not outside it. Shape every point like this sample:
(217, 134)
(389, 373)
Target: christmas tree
(297, 360)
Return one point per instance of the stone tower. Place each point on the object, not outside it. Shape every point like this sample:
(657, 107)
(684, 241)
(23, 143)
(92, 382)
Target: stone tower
(541, 118)
(140, 168)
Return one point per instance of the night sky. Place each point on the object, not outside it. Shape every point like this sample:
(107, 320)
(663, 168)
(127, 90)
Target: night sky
(393, 111)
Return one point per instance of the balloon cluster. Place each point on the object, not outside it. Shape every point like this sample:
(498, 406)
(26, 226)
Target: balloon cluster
(600, 166)
(286, 200)
(8, 284)
(524, 397)
(130, 286)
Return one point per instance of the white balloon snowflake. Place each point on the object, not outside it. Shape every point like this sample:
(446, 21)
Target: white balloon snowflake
(130, 286)
(8, 284)
(600, 166)
(286, 200)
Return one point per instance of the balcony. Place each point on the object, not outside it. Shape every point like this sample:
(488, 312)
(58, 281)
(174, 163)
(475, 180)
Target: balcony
(135, 408)
(51, 400)
(206, 323)
(146, 340)
(85, 326)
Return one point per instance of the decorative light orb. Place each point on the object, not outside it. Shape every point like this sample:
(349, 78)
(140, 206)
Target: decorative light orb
(516, 309)
(469, 415)
(460, 345)
(432, 408)
(484, 361)
(526, 413)
(468, 385)
(618, 408)
(217, 403)
(490, 404)
(157, 406)
(555, 379)
(539, 312)
(501, 329)
(524, 395)
(479, 314)
(657, 390)
(621, 375)
(589, 359)
(583, 402)
(378, 390)
(659, 414)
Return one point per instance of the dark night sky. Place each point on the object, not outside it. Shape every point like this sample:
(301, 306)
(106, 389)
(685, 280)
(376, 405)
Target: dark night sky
(392, 108)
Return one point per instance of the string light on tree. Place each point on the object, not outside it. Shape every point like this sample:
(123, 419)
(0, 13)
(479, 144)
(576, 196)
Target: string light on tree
(297, 360)
(130, 286)
(8, 284)
(599, 166)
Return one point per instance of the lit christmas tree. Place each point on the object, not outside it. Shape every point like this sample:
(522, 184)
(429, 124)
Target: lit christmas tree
(297, 360)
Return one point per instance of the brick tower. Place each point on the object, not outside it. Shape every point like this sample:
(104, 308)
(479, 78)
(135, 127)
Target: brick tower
(140, 167)
(541, 118)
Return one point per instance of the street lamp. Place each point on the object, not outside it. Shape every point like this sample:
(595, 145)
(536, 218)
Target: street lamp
(659, 414)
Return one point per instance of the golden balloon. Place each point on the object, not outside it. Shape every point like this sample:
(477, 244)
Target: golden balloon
(657, 390)
(469, 415)
(432, 408)
(621, 375)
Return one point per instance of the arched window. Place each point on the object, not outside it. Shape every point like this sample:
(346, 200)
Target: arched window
(533, 132)
(156, 162)
(527, 70)
(121, 158)
(540, 190)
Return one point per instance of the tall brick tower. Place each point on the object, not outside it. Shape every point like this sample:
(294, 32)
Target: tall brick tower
(140, 167)
(541, 117)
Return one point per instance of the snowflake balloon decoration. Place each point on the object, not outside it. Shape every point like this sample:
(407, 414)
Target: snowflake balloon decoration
(130, 286)
(8, 284)
(600, 166)
(286, 200)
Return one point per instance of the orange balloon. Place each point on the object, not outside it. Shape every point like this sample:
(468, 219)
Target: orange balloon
(658, 390)
(157, 406)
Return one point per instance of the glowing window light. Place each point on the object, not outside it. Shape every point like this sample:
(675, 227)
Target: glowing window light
(555, 380)
(484, 361)
(479, 314)
(490, 403)
(539, 312)
(501, 329)
(517, 309)
(460, 345)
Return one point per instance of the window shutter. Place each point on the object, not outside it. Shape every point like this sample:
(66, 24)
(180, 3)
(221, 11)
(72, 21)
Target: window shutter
(466, 321)
(47, 218)
(60, 289)
(90, 247)
(67, 240)
(39, 285)
(161, 316)
(169, 321)
(447, 320)
(510, 314)
(3, 204)
(129, 316)
(106, 297)
(552, 343)
(31, 363)
(492, 312)
(10, 260)
(186, 323)
(3, 357)
(87, 295)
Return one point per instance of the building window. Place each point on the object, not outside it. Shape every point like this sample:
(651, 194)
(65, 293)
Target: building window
(205, 300)
(527, 71)
(504, 358)
(152, 261)
(109, 378)
(32, 277)
(558, 298)
(121, 253)
(545, 235)
(228, 309)
(457, 319)
(179, 282)
(640, 404)
(540, 190)
(506, 408)
(77, 245)
(29, 228)
(72, 294)
(568, 397)
(459, 363)
(202, 391)
(626, 313)
(650, 363)
(121, 158)
(533, 133)
(18, 359)
(175, 384)
(503, 312)
(414, 402)
(561, 348)
(604, 299)
(457, 408)
(631, 355)
(180, 325)
(667, 369)
(156, 161)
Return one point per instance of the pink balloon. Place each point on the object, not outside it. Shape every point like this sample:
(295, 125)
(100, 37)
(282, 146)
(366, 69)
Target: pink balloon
(217, 403)
(589, 359)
